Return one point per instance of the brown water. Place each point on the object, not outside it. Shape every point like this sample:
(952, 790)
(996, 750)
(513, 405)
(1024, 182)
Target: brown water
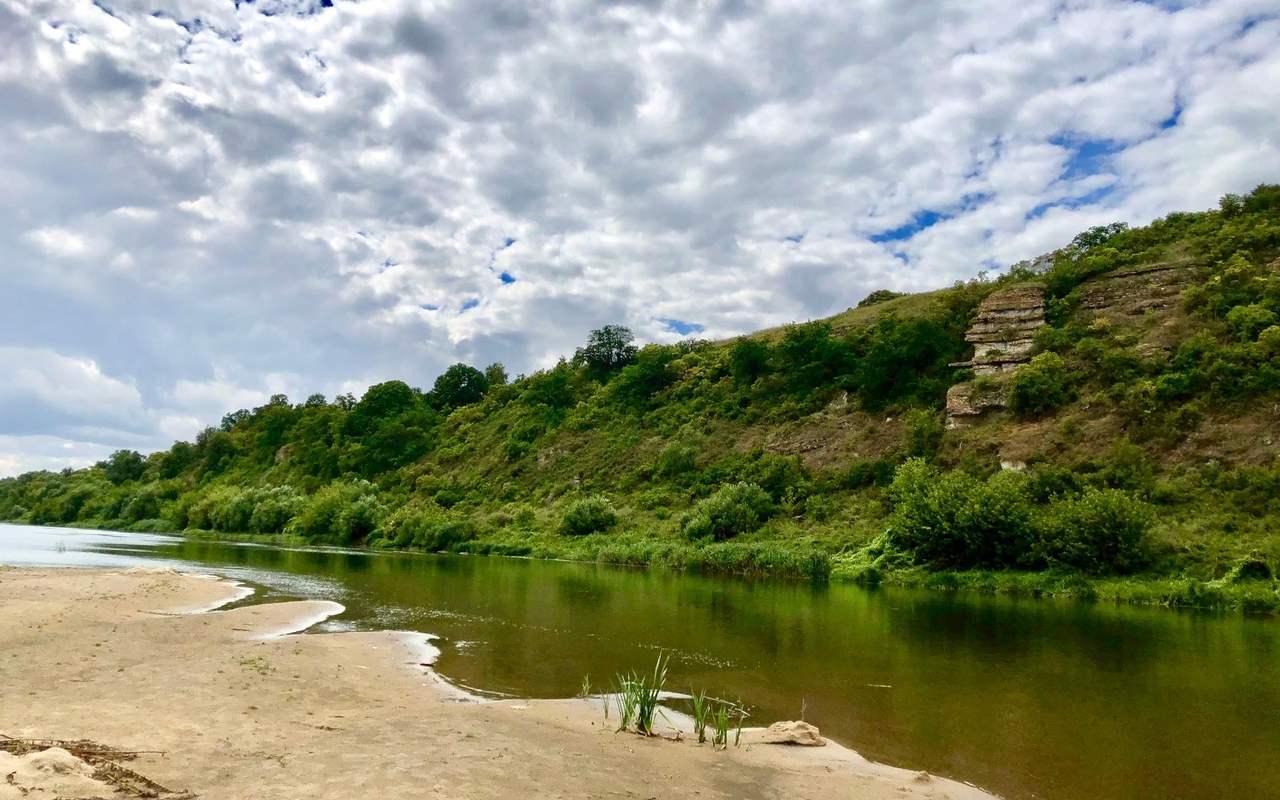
(1028, 698)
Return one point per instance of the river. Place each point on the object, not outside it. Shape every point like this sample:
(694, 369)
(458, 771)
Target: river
(1029, 698)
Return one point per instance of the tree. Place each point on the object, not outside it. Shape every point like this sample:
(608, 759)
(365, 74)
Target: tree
(314, 401)
(1096, 236)
(748, 360)
(496, 374)
(381, 402)
(123, 465)
(234, 418)
(608, 349)
(460, 385)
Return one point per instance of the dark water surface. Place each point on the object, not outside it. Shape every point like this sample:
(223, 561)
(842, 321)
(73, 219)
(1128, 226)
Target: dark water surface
(1034, 699)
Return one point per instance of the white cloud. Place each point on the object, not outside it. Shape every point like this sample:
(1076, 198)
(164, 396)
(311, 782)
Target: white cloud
(208, 203)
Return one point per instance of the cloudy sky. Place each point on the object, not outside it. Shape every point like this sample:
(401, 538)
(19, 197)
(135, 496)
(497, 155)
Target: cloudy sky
(203, 202)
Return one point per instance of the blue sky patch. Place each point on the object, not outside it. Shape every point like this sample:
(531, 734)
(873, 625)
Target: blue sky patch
(429, 307)
(1088, 156)
(681, 327)
(919, 221)
(469, 304)
(795, 238)
(507, 278)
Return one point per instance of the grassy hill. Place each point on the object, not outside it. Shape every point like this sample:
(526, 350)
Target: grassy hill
(1135, 457)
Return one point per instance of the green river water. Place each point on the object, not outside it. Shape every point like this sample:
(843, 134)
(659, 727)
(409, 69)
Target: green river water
(1028, 698)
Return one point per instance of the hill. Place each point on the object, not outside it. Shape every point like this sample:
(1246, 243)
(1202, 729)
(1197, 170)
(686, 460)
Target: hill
(1101, 422)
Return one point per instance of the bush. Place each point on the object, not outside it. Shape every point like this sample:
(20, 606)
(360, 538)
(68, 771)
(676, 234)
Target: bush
(1102, 530)
(1246, 322)
(868, 472)
(1040, 386)
(588, 515)
(275, 508)
(676, 459)
(924, 432)
(340, 513)
(734, 509)
(958, 521)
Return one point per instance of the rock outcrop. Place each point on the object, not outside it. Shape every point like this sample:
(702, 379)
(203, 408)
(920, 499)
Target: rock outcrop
(1004, 329)
(1003, 336)
(1136, 291)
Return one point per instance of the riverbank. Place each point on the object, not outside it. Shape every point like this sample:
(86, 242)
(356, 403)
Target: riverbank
(239, 709)
(1249, 594)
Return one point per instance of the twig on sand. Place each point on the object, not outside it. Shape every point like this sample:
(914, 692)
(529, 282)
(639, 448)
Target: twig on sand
(103, 759)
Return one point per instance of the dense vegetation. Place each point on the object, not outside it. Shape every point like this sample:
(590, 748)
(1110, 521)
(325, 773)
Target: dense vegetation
(816, 449)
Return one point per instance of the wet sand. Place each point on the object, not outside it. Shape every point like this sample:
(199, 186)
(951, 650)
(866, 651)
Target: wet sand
(244, 708)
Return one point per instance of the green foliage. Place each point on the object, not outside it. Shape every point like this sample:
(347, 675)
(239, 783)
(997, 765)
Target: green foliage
(123, 465)
(748, 360)
(924, 432)
(638, 695)
(460, 385)
(1247, 322)
(496, 374)
(341, 513)
(954, 520)
(608, 350)
(588, 515)
(1101, 531)
(878, 296)
(1041, 386)
(734, 509)
(677, 459)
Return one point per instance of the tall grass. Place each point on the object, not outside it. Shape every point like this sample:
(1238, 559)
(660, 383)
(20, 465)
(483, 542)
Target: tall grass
(727, 716)
(637, 697)
(701, 713)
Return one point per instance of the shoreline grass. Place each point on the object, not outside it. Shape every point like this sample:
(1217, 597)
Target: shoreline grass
(773, 560)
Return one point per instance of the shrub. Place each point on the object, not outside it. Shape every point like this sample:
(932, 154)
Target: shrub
(1040, 386)
(1102, 530)
(734, 509)
(342, 513)
(676, 459)
(1246, 322)
(868, 472)
(588, 515)
(1269, 341)
(275, 508)
(924, 432)
(958, 521)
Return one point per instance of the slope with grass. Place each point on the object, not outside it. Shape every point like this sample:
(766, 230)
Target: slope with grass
(1141, 439)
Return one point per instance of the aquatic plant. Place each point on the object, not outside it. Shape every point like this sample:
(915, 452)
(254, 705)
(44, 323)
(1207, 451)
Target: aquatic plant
(701, 712)
(637, 697)
(726, 715)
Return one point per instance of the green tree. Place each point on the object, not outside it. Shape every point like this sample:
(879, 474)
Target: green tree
(748, 360)
(383, 401)
(608, 350)
(460, 385)
(496, 374)
(123, 465)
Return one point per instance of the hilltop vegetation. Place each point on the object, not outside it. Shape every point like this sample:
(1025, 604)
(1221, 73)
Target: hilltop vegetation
(1149, 445)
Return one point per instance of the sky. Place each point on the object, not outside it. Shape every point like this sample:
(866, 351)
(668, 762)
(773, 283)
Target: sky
(206, 202)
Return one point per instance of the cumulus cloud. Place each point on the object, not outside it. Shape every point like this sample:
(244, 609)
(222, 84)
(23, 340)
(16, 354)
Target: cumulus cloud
(206, 201)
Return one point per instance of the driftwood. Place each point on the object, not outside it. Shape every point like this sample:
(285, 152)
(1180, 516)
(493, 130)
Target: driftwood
(104, 760)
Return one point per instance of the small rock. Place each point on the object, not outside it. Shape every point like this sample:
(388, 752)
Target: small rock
(793, 732)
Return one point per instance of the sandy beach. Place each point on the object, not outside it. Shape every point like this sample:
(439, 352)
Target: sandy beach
(234, 704)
